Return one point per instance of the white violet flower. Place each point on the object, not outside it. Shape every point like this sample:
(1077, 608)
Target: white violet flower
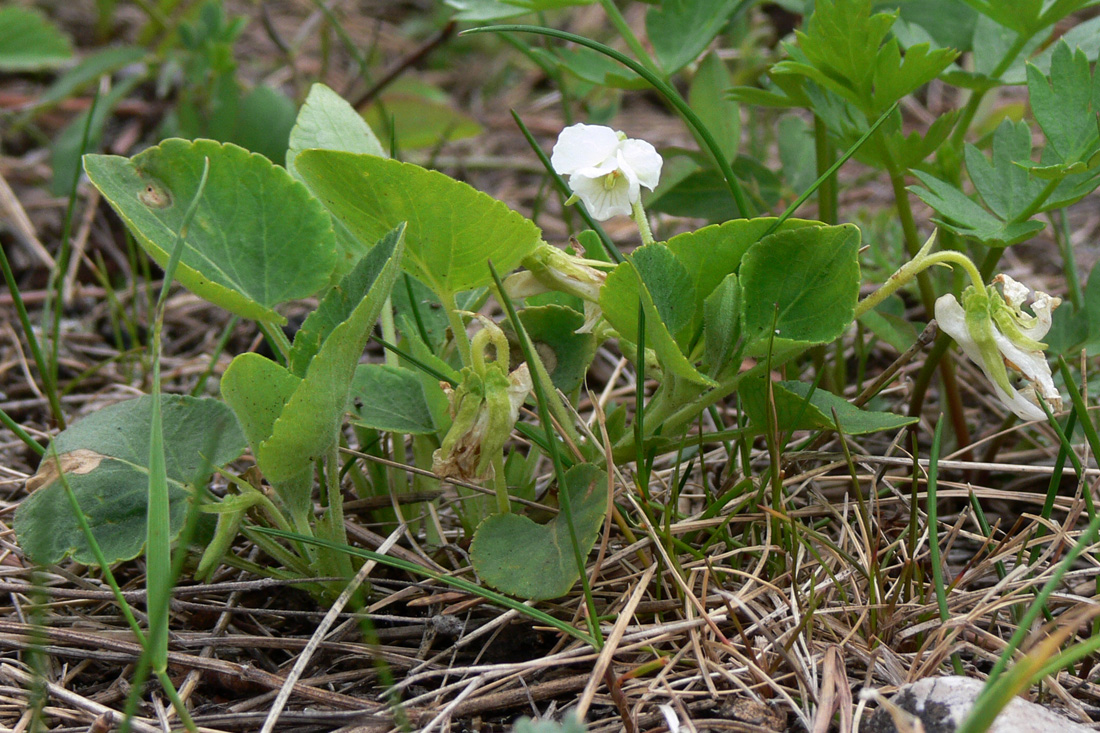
(606, 169)
(998, 336)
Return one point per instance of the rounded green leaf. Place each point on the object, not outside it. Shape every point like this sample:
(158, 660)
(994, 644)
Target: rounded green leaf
(803, 283)
(328, 122)
(713, 252)
(626, 287)
(257, 238)
(453, 229)
(565, 353)
(104, 459)
(29, 42)
(535, 561)
(390, 398)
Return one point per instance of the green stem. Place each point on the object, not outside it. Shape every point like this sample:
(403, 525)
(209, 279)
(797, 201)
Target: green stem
(824, 153)
(990, 261)
(914, 267)
(500, 484)
(334, 496)
(962, 125)
(909, 230)
(1069, 260)
(638, 214)
(458, 328)
(628, 36)
(278, 341)
(389, 332)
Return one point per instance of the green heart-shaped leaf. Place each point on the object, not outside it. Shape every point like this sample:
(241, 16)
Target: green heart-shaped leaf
(390, 398)
(256, 240)
(328, 122)
(535, 561)
(105, 460)
(565, 353)
(713, 252)
(803, 283)
(453, 229)
(625, 288)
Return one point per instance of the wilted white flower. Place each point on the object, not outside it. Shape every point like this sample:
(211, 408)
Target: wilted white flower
(606, 169)
(998, 336)
(550, 269)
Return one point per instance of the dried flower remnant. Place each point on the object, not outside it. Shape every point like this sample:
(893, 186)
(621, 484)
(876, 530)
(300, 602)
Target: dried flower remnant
(485, 406)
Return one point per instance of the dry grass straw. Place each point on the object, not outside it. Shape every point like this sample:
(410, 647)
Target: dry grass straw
(749, 635)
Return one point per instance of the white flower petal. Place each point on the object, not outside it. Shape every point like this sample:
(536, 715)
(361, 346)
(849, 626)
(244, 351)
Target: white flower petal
(597, 171)
(1018, 402)
(1043, 308)
(583, 146)
(633, 191)
(602, 202)
(952, 320)
(1015, 292)
(644, 160)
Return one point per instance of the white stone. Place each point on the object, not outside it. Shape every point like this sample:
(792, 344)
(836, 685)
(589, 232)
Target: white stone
(942, 704)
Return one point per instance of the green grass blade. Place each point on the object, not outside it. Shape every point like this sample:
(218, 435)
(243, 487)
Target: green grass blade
(158, 549)
(49, 384)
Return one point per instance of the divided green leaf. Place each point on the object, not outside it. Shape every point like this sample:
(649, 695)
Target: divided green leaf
(872, 74)
(1066, 104)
